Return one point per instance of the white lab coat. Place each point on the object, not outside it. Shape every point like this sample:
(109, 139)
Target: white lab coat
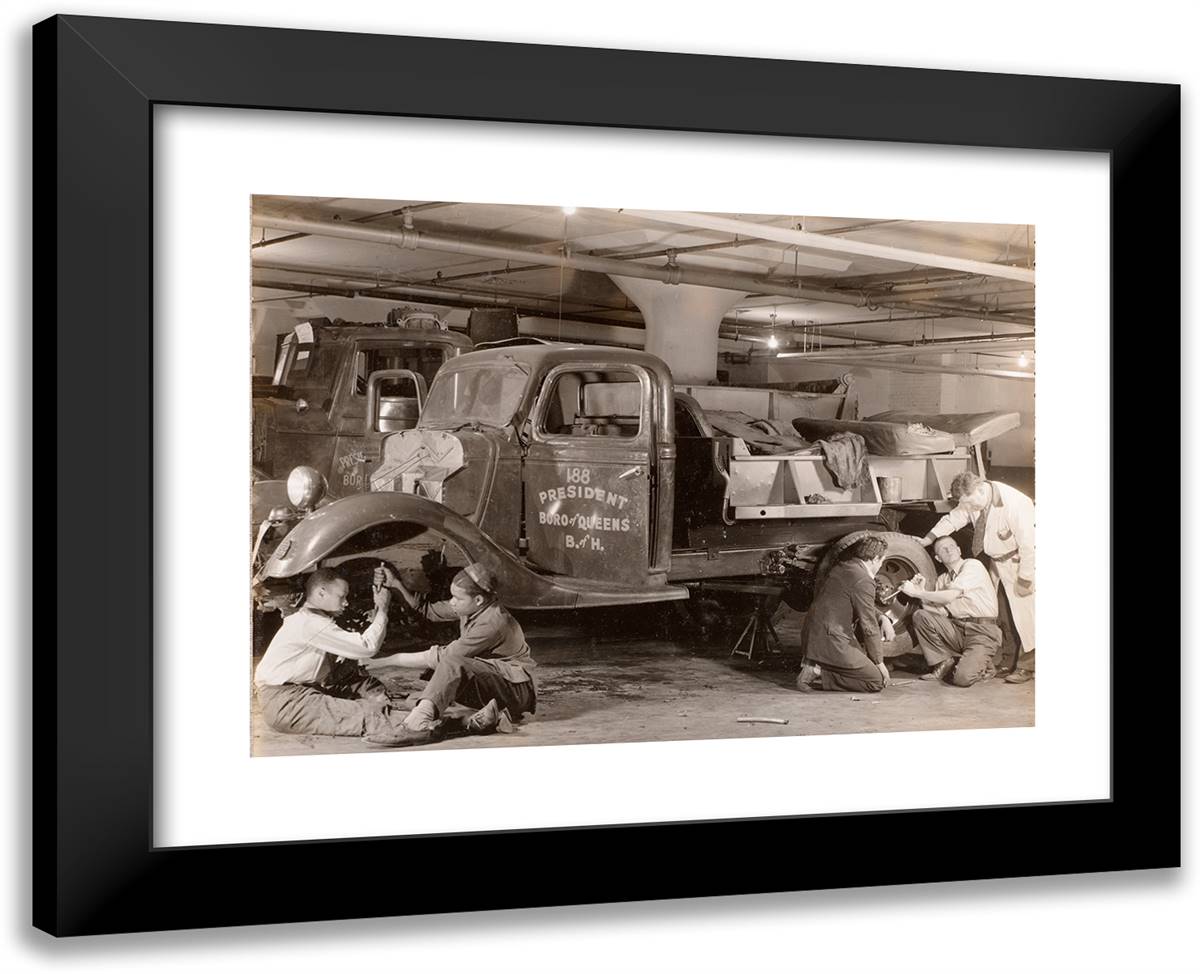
(1008, 541)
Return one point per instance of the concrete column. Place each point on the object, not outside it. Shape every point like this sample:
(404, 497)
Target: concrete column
(682, 321)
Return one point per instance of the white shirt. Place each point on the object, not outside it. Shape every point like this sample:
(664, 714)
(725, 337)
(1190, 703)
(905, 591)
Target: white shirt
(978, 597)
(303, 649)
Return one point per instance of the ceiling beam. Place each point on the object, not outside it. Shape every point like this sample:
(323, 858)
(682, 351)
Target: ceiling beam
(818, 241)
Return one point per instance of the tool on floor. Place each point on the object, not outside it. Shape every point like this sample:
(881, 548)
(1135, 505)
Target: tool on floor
(761, 720)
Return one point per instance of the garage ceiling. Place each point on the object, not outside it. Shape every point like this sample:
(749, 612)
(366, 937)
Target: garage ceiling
(937, 295)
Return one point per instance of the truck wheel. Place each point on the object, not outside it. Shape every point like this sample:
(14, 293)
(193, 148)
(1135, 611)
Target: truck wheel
(905, 557)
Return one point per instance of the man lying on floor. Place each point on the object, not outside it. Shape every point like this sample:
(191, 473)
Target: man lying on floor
(488, 666)
(311, 680)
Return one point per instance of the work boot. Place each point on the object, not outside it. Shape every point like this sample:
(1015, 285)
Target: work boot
(941, 671)
(489, 719)
(808, 678)
(1019, 676)
(403, 737)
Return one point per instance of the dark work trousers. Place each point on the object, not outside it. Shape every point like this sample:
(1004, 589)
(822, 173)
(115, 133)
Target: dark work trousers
(1010, 650)
(972, 643)
(864, 678)
(473, 682)
(349, 702)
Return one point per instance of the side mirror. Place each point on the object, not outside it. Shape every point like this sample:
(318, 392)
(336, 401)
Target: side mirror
(373, 392)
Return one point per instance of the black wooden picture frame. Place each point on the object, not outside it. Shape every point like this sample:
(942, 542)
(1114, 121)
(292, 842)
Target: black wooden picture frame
(96, 82)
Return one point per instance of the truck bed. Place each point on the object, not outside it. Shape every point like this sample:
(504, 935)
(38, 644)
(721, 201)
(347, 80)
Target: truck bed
(728, 479)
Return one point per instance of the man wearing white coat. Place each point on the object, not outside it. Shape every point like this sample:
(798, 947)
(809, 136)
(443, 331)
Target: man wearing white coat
(1003, 521)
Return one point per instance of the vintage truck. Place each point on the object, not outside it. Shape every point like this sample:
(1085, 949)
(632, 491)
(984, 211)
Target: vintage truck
(314, 411)
(584, 477)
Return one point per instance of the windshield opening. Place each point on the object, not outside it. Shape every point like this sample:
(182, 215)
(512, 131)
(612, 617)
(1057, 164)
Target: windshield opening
(486, 394)
(423, 361)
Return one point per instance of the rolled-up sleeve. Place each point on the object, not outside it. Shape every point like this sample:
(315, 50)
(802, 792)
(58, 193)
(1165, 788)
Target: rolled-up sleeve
(353, 645)
(439, 611)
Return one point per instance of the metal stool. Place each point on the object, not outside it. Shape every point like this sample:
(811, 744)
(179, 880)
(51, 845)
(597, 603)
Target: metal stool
(758, 640)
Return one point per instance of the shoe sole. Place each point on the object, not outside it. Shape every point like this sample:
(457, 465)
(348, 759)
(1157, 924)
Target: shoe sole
(415, 741)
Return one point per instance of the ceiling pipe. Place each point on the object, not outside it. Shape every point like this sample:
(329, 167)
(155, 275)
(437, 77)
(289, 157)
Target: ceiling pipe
(964, 310)
(824, 327)
(952, 292)
(301, 289)
(364, 287)
(350, 277)
(405, 211)
(885, 365)
(937, 346)
(924, 310)
(907, 278)
(818, 241)
(670, 274)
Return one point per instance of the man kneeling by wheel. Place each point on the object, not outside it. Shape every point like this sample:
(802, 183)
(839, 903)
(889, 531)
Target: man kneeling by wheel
(487, 667)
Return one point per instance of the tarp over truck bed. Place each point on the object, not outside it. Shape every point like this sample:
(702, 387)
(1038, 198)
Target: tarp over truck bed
(901, 434)
(968, 429)
(883, 439)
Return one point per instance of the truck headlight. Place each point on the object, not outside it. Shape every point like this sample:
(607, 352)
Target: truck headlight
(305, 487)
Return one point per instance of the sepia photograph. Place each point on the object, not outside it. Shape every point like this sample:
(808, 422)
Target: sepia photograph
(634, 435)
(545, 475)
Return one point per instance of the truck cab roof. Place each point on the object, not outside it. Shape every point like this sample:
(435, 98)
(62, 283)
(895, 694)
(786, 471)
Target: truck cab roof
(542, 355)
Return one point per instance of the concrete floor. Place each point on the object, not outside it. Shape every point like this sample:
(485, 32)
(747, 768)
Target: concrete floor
(644, 686)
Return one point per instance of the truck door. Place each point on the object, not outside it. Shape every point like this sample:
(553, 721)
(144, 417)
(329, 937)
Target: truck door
(588, 473)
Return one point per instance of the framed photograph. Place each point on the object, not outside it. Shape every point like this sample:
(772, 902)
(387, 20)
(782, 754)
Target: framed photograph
(577, 451)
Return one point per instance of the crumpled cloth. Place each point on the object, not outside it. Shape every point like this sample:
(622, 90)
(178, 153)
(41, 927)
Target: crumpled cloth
(761, 436)
(845, 456)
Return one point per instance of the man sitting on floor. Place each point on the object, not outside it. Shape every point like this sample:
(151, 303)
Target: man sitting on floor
(832, 651)
(956, 627)
(303, 686)
(488, 666)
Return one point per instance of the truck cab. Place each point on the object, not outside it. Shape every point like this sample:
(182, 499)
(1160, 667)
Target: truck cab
(313, 413)
(558, 453)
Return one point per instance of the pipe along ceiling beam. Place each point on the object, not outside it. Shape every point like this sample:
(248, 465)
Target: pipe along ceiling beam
(819, 241)
(938, 347)
(669, 274)
(887, 365)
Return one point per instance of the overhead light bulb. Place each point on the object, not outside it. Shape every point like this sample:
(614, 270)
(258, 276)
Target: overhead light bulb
(1023, 360)
(772, 342)
(568, 210)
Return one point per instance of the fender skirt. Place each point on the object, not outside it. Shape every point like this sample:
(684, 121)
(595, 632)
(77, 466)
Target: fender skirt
(320, 534)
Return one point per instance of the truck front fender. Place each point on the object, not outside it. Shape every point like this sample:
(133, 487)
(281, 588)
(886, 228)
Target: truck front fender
(364, 522)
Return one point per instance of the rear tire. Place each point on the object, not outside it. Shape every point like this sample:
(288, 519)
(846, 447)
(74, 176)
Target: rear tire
(905, 557)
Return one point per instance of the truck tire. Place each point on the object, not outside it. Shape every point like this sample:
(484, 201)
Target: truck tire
(905, 557)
